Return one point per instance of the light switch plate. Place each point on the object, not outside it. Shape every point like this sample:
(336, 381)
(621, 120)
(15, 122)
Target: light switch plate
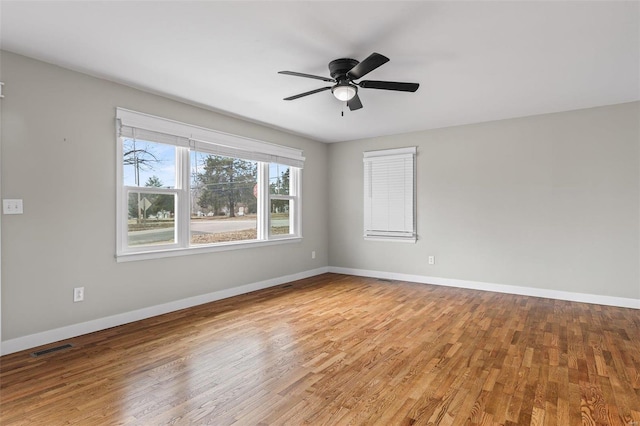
(12, 206)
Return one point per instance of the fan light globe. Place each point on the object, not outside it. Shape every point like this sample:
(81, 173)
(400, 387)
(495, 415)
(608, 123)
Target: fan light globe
(344, 92)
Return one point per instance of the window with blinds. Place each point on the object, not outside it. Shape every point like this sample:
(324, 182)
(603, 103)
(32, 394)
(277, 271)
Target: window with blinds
(187, 189)
(389, 195)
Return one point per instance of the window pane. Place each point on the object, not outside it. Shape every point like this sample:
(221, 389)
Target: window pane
(279, 215)
(278, 179)
(223, 199)
(151, 219)
(149, 164)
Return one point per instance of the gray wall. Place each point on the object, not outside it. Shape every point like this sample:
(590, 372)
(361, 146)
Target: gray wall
(59, 155)
(548, 202)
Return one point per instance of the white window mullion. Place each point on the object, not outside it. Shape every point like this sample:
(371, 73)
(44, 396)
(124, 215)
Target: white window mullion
(296, 215)
(263, 201)
(183, 212)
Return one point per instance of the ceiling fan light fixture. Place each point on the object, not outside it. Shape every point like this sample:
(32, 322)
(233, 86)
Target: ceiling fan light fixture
(344, 92)
(344, 72)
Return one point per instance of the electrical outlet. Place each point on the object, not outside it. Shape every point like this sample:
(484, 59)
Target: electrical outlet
(11, 206)
(432, 260)
(78, 294)
(313, 254)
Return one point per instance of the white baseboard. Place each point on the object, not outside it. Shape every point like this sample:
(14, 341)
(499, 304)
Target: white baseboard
(68, 332)
(498, 288)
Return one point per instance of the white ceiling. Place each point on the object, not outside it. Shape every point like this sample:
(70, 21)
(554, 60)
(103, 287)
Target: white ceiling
(475, 61)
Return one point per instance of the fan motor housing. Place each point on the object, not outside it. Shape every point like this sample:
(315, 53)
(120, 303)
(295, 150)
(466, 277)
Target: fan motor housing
(339, 68)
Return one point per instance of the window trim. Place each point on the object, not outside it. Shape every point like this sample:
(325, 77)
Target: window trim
(186, 137)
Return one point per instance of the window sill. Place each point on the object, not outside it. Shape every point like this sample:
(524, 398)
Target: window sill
(239, 245)
(392, 239)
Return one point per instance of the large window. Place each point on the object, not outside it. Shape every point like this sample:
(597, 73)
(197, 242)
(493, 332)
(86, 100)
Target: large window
(186, 189)
(389, 195)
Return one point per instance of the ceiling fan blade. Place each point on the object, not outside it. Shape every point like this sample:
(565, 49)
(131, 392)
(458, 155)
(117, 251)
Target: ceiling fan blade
(290, 98)
(389, 85)
(372, 62)
(354, 103)
(299, 74)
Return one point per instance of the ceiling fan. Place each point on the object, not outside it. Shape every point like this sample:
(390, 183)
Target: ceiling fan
(344, 71)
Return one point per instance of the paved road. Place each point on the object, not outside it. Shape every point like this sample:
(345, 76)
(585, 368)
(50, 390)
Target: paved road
(215, 226)
(152, 236)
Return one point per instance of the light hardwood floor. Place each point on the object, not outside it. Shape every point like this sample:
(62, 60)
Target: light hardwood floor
(337, 349)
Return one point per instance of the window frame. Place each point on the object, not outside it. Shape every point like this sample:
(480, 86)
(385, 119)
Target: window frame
(294, 199)
(185, 138)
(146, 190)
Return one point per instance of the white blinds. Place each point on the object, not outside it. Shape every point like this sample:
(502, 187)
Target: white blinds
(144, 126)
(150, 135)
(389, 194)
(228, 151)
